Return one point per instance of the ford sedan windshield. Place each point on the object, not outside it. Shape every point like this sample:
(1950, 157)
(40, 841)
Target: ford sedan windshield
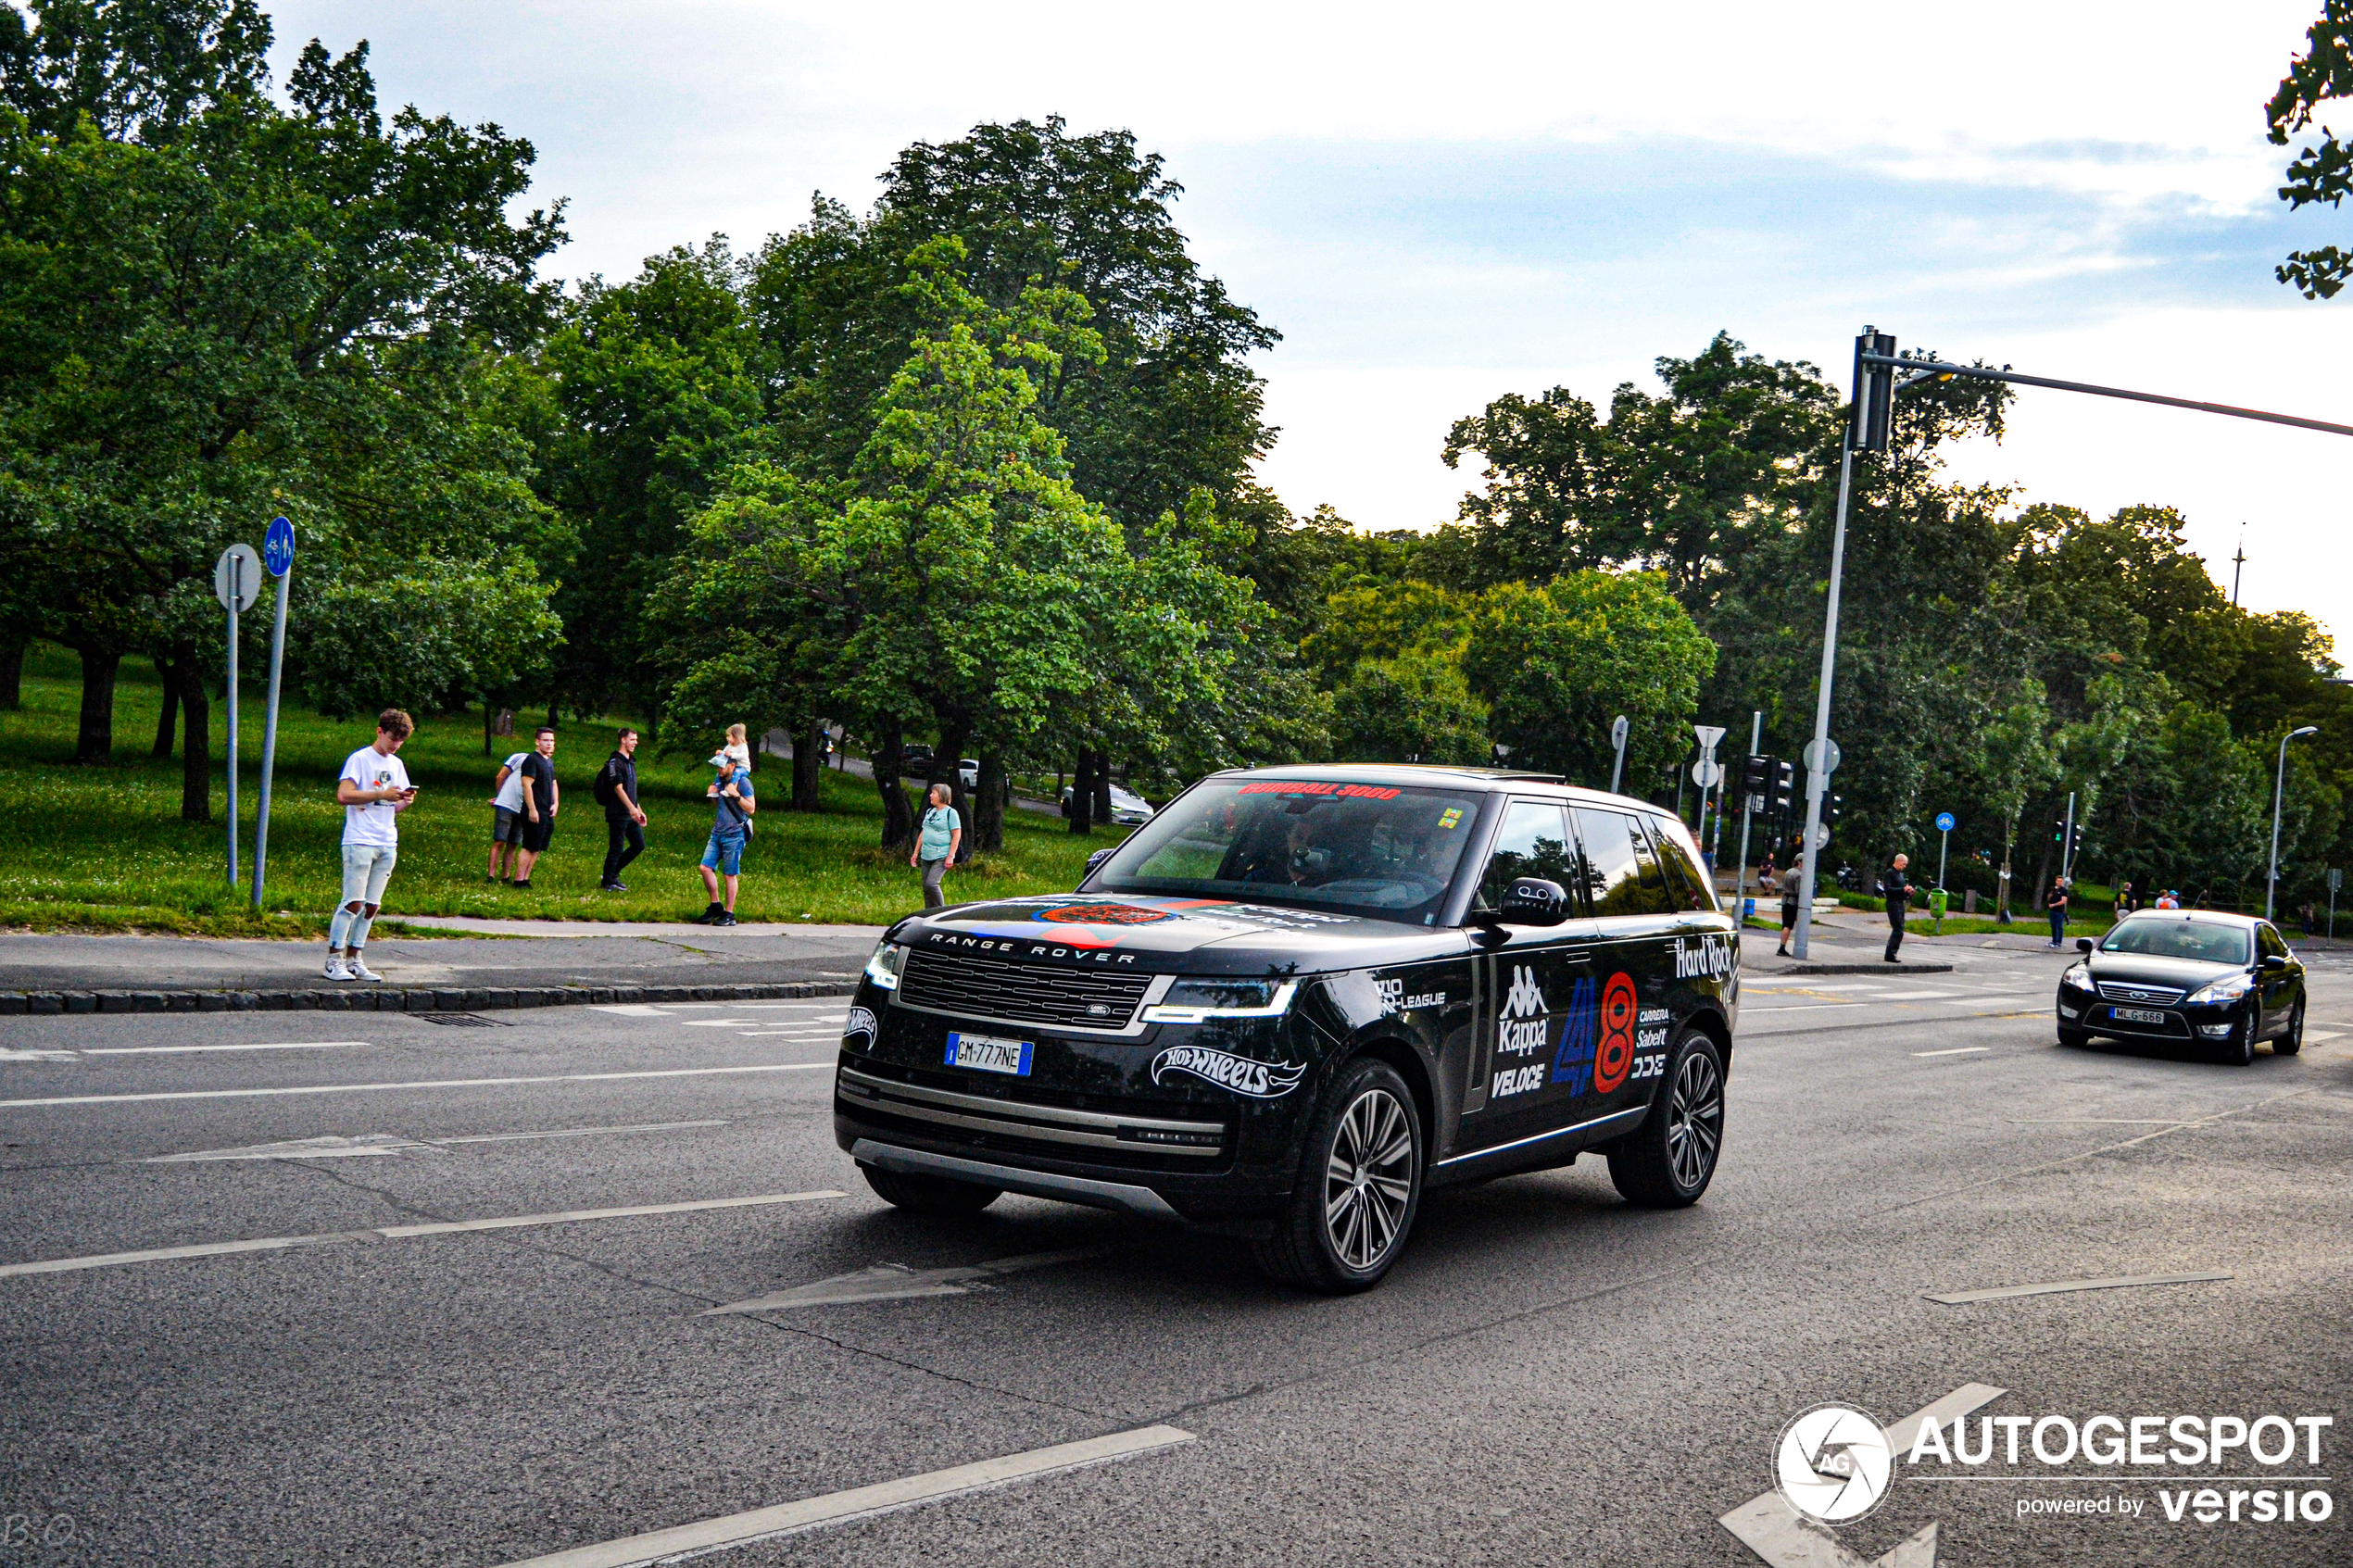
(1384, 851)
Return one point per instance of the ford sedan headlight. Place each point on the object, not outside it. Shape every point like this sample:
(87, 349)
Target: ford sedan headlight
(1196, 1001)
(883, 968)
(2078, 978)
(2229, 988)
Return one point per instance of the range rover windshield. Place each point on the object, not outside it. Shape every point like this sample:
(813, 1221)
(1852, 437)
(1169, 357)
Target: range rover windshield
(1381, 851)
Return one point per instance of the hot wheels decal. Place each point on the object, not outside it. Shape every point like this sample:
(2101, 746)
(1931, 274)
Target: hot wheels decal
(859, 1023)
(1260, 1080)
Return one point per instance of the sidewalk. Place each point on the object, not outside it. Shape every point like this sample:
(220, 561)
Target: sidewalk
(485, 963)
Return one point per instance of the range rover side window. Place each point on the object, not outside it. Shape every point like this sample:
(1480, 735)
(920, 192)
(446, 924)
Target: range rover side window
(1533, 842)
(1621, 878)
(1684, 878)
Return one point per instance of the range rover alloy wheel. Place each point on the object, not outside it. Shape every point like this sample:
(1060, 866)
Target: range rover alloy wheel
(1359, 1187)
(1667, 1162)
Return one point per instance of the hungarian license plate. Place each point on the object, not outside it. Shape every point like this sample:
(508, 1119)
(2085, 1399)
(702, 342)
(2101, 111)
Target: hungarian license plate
(2136, 1015)
(990, 1053)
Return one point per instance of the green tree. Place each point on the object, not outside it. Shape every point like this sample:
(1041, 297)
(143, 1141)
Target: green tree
(2321, 172)
(1555, 664)
(1413, 708)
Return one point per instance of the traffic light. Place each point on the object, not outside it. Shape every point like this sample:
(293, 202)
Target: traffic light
(1784, 783)
(1756, 772)
(1830, 804)
(1874, 393)
(2058, 831)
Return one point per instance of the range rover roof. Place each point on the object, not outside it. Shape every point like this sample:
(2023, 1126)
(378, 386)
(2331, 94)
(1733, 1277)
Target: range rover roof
(1426, 773)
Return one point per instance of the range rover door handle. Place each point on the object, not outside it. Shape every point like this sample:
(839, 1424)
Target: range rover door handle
(1574, 955)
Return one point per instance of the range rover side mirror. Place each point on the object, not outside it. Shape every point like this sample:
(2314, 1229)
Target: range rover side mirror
(1534, 901)
(2273, 960)
(2083, 944)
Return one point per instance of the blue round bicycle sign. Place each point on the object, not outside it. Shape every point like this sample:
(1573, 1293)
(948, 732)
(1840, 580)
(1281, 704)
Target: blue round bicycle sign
(1944, 821)
(277, 548)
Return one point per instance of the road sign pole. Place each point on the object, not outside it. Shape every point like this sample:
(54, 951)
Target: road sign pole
(2067, 844)
(280, 559)
(1816, 780)
(1617, 740)
(237, 571)
(1748, 803)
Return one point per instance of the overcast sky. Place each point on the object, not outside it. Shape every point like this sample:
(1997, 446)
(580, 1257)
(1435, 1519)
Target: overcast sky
(1438, 206)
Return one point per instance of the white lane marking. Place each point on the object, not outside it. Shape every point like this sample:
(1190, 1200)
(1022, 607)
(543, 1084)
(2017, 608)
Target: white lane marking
(894, 1282)
(2314, 1037)
(713, 1023)
(1917, 996)
(1807, 1006)
(629, 1010)
(577, 1131)
(2067, 1287)
(298, 1149)
(859, 1502)
(398, 1233)
(424, 1083)
(1768, 1526)
(265, 1046)
(40, 1055)
(1956, 1050)
(393, 1143)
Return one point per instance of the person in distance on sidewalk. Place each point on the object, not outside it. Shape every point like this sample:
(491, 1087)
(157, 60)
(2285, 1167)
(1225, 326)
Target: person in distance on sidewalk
(1788, 909)
(732, 802)
(372, 790)
(1897, 889)
(624, 823)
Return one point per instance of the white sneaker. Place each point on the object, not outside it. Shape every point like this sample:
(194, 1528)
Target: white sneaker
(335, 969)
(359, 970)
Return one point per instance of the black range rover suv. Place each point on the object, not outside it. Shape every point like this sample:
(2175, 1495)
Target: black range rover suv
(1298, 998)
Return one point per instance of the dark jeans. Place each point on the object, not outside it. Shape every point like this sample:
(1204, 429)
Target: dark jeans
(1895, 928)
(624, 841)
(2058, 925)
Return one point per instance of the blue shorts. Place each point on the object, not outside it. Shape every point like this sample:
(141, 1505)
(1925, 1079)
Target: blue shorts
(725, 855)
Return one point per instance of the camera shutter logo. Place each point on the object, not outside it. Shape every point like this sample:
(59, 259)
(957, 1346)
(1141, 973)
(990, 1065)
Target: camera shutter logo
(1832, 1464)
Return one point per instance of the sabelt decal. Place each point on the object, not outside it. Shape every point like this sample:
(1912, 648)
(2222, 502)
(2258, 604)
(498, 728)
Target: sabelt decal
(860, 1023)
(1260, 1080)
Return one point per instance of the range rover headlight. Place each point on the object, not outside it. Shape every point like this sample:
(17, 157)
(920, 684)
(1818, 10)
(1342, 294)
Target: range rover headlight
(1195, 1001)
(883, 969)
(2229, 988)
(2078, 978)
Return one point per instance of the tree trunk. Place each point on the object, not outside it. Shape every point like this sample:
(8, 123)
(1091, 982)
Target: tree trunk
(95, 742)
(12, 673)
(899, 818)
(489, 718)
(167, 709)
(808, 760)
(944, 771)
(1102, 787)
(2002, 887)
(988, 807)
(2043, 875)
(195, 766)
(1082, 795)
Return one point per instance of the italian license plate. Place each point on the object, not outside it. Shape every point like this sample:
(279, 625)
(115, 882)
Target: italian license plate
(990, 1053)
(2136, 1015)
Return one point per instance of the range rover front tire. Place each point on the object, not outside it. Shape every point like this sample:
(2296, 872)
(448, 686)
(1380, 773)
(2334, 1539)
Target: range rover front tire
(1667, 1162)
(936, 1195)
(1359, 1187)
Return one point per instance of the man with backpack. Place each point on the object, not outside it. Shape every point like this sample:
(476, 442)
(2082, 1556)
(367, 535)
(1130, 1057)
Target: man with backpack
(616, 791)
(731, 797)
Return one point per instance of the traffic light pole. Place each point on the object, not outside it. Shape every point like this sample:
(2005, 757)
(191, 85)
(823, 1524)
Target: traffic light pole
(1748, 803)
(2067, 842)
(1818, 781)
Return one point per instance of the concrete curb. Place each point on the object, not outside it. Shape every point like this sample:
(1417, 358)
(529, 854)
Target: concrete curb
(400, 999)
(1907, 967)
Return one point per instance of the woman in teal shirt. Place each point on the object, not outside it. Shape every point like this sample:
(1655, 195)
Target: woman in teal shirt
(935, 845)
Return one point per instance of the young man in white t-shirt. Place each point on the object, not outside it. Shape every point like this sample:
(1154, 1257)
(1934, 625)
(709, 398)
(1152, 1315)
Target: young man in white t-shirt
(507, 820)
(374, 790)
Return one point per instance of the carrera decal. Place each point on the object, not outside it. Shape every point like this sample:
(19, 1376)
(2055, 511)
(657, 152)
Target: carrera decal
(860, 1023)
(1614, 1053)
(1260, 1080)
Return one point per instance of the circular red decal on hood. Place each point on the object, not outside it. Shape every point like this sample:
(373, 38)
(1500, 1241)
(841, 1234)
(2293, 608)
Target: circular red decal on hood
(1101, 914)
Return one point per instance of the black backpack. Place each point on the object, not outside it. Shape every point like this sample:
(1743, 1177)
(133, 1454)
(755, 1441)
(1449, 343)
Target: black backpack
(607, 789)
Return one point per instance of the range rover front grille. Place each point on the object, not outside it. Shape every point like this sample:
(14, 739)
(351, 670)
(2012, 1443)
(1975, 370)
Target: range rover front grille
(1020, 993)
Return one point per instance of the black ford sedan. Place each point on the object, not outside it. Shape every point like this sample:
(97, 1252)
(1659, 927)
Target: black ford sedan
(2220, 982)
(1297, 998)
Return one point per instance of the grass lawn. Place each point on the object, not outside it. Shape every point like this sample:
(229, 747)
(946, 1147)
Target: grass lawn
(103, 848)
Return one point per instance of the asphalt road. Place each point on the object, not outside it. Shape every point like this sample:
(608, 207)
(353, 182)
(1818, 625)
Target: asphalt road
(1548, 1377)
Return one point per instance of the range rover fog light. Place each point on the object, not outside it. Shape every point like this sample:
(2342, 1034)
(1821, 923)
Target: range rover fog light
(2215, 1031)
(883, 969)
(1196, 1001)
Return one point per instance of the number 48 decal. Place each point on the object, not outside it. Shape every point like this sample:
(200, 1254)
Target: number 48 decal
(1597, 1040)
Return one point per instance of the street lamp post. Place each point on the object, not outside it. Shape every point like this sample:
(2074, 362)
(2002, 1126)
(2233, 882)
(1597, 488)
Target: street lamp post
(2279, 789)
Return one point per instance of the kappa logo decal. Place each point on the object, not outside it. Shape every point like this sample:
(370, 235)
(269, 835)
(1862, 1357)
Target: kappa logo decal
(1260, 1080)
(1521, 1029)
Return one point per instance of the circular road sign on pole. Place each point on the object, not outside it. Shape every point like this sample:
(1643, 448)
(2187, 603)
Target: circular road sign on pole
(1944, 821)
(1813, 749)
(1705, 771)
(237, 576)
(277, 547)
